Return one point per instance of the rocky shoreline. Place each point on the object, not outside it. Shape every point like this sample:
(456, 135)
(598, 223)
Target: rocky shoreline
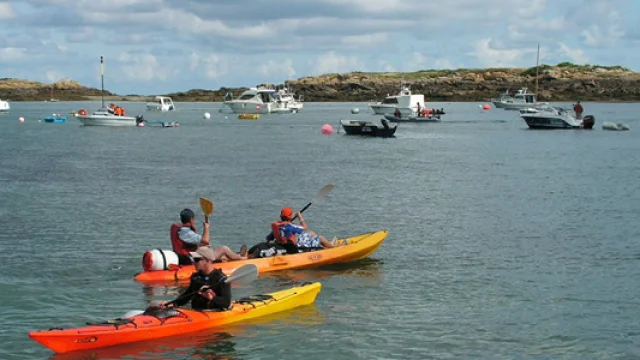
(562, 82)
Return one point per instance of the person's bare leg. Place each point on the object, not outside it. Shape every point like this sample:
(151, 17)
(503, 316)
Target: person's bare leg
(325, 243)
(224, 252)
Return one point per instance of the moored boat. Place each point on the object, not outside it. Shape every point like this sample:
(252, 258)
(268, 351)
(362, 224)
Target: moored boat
(368, 128)
(358, 247)
(159, 323)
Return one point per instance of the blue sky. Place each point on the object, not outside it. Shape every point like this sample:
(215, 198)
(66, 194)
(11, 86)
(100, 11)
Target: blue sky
(160, 46)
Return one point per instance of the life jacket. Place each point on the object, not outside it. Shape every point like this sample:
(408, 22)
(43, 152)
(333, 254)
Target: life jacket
(180, 247)
(278, 234)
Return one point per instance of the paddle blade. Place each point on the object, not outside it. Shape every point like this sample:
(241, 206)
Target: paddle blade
(323, 192)
(244, 274)
(207, 206)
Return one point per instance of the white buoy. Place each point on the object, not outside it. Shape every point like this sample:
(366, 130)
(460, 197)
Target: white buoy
(355, 111)
(21, 119)
(207, 116)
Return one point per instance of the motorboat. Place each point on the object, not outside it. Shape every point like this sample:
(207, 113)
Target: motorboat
(4, 106)
(427, 115)
(368, 128)
(286, 102)
(255, 100)
(104, 117)
(522, 99)
(161, 103)
(545, 116)
(404, 101)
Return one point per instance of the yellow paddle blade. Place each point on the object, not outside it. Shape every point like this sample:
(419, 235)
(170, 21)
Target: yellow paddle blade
(207, 206)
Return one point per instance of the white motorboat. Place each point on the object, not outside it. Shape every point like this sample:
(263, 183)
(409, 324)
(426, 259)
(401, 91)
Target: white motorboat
(522, 99)
(286, 102)
(256, 100)
(161, 103)
(103, 117)
(4, 106)
(404, 101)
(545, 116)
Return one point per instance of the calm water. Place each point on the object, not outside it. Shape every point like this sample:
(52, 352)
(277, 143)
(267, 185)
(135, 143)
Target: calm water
(504, 242)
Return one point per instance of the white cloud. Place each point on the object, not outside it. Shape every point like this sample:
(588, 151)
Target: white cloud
(239, 45)
(575, 55)
(11, 54)
(416, 61)
(53, 75)
(278, 68)
(6, 11)
(490, 56)
(213, 65)
(385, 66)
(332, 62)
(141, 67)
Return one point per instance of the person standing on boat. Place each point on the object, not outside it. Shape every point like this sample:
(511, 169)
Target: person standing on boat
(207, 288)
(578, 109)
(185, 240)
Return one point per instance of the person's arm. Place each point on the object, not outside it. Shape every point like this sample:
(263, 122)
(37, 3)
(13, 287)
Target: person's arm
(185, 296)
(223, 296)
(191, 237)
(270, 237)
(205, 235)
(302, 222)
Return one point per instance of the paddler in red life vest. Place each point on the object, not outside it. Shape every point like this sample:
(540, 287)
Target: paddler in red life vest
(185, 240)
(296, 237)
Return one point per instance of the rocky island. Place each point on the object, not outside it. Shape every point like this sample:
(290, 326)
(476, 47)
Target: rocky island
(562, 82)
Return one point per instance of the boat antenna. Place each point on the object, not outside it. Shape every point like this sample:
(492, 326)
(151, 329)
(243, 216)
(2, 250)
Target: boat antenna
(102, 76)
(537, 61)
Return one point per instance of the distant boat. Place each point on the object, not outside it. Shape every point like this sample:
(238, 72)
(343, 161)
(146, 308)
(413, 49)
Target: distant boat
(4, 106)
(104, 117)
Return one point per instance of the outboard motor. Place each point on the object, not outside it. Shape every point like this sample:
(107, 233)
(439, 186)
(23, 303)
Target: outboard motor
(140, 119)
(588, 121)
(384, 123)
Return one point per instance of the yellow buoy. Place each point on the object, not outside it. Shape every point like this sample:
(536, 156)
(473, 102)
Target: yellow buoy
(249, 116)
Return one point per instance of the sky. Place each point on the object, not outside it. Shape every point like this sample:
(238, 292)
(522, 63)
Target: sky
(161, 46)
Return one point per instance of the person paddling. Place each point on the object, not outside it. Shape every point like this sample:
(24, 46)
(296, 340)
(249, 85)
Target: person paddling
(185, 240)
(296, 237)
(207, 288)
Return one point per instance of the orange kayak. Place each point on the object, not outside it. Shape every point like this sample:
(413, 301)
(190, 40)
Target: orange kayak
(168, 322)
(358, 247)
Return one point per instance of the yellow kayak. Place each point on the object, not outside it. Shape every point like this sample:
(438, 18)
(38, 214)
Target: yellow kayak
(358, 247)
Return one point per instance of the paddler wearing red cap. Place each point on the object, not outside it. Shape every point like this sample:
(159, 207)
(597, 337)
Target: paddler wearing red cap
(296, 237)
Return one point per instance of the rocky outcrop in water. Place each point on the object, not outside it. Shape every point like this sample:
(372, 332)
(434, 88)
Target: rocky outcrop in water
(26, 90)
(563, 82)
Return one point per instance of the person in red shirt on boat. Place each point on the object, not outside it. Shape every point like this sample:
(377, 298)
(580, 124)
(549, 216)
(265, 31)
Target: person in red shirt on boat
(185, 240)
(296, 237)
(207, 288)
(578, 109)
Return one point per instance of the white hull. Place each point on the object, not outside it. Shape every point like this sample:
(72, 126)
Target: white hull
(381, 109)
(161, 103)
(249, 107)
(511, 105)
(550, 117)
(4, 106)
(99, 119)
